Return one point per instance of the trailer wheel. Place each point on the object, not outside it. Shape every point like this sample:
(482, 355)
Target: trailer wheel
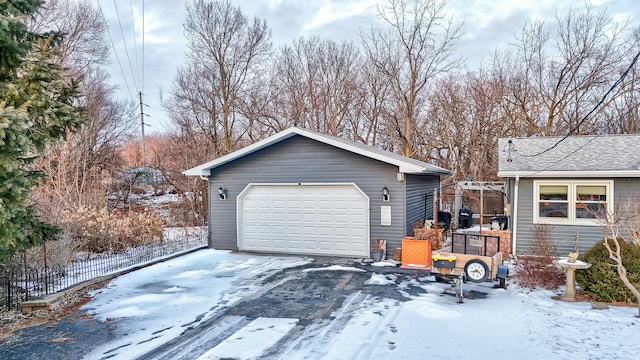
(476, 270)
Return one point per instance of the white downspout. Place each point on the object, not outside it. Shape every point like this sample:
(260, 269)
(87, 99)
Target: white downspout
(515, 215)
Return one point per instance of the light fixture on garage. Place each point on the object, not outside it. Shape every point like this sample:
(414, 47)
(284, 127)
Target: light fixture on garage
(385, 194)
(222, 193)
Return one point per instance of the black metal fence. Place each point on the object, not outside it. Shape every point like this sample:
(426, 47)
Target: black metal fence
(21, 282)
(476, 244)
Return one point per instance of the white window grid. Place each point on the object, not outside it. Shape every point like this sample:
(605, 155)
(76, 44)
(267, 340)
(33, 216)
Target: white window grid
(572, 200)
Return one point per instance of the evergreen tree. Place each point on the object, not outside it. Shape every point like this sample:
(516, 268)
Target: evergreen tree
(36, 110)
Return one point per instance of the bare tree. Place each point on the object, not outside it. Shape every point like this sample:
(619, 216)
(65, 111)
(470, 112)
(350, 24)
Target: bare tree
(415, 48)
(221, 42)
(470, 121)
(76, 168)
(622, 116)
(82, 27)
(194, 109)
(557, 74)
(175, 152)
(315, 85)
(621, 221)
(372, 105)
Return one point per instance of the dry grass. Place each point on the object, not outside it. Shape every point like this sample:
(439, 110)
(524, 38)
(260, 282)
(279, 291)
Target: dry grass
(98, 230)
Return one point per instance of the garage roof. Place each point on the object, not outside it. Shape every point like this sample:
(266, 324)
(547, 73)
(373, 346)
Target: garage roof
(404, 164)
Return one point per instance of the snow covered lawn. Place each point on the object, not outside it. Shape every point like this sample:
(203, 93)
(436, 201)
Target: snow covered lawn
(156, 304)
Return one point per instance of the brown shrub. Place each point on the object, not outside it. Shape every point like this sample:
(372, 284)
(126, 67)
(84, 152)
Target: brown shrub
(544, 246)
(537, 269)
(534, 271)
(99, 230)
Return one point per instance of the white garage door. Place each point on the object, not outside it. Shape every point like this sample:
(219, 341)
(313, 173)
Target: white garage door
(331, 219)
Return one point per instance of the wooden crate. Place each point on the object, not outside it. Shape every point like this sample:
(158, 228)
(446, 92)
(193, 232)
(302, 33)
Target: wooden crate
(397, 254)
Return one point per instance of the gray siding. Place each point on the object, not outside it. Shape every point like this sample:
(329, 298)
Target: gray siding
(417, 187)
(302, 160)
(563, 235)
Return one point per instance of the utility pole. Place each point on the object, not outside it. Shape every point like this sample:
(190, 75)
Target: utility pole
(144, 151)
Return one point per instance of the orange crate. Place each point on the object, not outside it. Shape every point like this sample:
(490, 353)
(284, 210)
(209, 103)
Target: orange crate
(416, 254)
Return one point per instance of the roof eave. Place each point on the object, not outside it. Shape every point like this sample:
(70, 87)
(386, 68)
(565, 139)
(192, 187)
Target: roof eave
(197, 171)
(414, 169)
(403, 166)
(570, 174)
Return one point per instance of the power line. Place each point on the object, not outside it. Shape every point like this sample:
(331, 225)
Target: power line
(126, 50)
(142, 81)
(153, 107)
(135, 46)
(115, 52)
(563, 158)
(584, 119)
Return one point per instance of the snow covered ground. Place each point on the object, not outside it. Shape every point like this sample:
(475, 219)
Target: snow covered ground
(156, 304)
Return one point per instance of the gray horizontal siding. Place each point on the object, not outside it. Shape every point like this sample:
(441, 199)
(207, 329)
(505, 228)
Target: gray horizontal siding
(303, 160)
(417, 188)
(563, 235)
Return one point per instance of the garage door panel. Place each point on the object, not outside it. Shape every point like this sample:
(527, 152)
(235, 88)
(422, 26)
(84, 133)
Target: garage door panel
(328, 219)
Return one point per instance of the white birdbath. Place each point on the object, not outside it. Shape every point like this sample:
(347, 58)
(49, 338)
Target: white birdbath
(570, 268)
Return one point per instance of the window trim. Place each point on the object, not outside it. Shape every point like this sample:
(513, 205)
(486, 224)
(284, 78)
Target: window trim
(571, 196)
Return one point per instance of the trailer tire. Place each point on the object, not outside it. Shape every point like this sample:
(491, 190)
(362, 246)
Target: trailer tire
(476, 270)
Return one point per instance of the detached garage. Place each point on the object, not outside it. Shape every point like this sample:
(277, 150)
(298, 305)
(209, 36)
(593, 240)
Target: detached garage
(302, 192)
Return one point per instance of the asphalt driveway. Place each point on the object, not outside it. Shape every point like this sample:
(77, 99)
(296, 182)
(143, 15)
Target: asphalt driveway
(308, 292)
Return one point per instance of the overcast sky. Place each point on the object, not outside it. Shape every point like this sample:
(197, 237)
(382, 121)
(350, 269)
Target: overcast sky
(487, 24)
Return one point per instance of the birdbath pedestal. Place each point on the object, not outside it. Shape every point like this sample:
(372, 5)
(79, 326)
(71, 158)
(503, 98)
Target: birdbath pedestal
(570, 268)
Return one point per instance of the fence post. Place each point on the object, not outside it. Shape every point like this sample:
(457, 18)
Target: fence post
(5, 279)
(26, 274)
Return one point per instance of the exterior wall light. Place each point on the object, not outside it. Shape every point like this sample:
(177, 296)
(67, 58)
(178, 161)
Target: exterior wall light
(222, 193)
(385, 194)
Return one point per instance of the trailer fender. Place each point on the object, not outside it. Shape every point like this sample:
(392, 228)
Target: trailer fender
(503, 271)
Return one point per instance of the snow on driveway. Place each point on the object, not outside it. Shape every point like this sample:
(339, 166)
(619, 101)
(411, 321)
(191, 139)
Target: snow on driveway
(154, 305)
(252, 340)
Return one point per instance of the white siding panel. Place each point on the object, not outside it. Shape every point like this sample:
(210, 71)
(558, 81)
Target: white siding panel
(331, 219)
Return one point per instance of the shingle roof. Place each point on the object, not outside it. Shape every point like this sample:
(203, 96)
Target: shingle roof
(585, 156)
(405, 164)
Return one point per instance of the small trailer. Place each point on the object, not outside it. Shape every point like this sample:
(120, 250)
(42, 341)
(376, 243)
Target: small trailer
(475, 268)
(473, 257)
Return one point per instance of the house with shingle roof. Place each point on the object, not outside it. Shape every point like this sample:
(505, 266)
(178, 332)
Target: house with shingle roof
(565, 186)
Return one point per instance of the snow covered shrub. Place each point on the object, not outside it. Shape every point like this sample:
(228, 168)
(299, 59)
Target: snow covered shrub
(601, 281)
(99, 230)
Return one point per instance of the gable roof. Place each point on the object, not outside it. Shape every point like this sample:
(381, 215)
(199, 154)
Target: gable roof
(575, 156)
(404, 164)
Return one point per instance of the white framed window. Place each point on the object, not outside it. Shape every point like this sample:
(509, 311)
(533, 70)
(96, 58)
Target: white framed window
(581, 202)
